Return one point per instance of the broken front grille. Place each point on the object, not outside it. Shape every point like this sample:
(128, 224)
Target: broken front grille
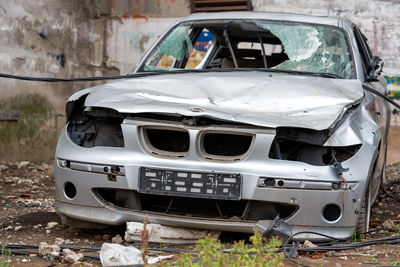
(223, 146)
(247, 210)
(166, 142)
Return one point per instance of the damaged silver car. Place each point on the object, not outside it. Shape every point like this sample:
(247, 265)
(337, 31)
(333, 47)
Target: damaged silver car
(234, 120)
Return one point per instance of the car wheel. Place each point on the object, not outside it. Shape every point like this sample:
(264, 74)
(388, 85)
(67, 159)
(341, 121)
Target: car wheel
(78, 224)
(364, 213)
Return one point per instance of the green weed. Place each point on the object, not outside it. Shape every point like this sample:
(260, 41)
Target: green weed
(5, 257)
(211, 252)
(34, 136)
(372, 259)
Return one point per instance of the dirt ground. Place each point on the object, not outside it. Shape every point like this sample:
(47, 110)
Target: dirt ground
(28, 215)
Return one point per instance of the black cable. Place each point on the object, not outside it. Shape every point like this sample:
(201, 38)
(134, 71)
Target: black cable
(152, 73)
(27, 252)
(345, 245)
(390, 194)
(18, 246)
(391, 101)
(304, 232)
(376, 92)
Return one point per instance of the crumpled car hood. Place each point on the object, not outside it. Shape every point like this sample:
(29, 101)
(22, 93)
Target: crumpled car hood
(257, 98)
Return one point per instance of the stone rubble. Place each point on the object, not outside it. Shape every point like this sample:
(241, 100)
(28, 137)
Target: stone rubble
(51, 225)
(70, 256)
(117, 239)
(46, 249)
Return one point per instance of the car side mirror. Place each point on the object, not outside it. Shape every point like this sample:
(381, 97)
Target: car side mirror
(374, 69)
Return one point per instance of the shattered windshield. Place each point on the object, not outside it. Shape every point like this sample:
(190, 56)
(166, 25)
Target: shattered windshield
(223, 44)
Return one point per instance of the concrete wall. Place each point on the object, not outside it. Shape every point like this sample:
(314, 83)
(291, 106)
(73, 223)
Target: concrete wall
(52, 39)
(129, 38)
(55, 38)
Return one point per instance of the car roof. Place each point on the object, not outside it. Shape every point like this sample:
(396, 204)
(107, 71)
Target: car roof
(324, 20)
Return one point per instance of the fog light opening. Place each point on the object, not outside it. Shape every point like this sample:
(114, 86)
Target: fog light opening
(331, 212)
(269, 181)
(69, 190)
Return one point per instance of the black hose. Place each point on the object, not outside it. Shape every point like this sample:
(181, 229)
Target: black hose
(390, 194)
(376, 92)
(61, 247)
(27, 252)
(345, 245)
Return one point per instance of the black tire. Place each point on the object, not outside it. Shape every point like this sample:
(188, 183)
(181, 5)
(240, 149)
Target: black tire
(364, 214)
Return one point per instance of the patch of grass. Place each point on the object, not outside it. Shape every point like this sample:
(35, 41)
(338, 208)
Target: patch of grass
(372, 259)
(5, 257)
(358, 237)
(398, 230)
(34, 136)
(394, 263)
(211, 252)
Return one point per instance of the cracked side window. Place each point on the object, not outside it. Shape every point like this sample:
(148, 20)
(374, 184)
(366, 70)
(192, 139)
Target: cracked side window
(177, 50)
(172, 49)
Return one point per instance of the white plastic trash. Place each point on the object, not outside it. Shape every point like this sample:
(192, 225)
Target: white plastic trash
(118, 255)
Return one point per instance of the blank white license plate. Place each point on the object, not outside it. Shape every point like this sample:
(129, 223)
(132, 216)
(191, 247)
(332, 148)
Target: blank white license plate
(190, 184)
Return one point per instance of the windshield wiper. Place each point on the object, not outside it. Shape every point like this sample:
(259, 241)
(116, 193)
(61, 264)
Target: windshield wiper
(177, 71)
(319, 74)
(326, 74)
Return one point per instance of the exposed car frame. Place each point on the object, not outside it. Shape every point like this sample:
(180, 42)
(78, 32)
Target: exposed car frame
(124, 174)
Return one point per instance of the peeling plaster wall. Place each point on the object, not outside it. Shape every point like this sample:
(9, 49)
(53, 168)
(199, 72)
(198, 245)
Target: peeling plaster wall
(379, 20)
(130, 38)
(53, 39)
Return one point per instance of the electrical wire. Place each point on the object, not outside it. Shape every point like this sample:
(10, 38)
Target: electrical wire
(390, 194)
(19, 246)
(28, 252)
(376, 92)
(343, 244)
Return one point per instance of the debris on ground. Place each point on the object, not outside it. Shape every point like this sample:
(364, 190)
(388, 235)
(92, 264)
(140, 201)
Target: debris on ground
(71, 257)
(165, 234)
(46, 249)
(309, 244)
(3, 167)
(118, 255)
(51, 225)
(117, 239)
(389, 224)
(59, 241)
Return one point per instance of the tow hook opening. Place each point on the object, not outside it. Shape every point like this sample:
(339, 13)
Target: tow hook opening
(331, 212)
(70, 190)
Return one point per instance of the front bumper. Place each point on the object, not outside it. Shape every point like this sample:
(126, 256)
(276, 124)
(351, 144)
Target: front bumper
(87, 206)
